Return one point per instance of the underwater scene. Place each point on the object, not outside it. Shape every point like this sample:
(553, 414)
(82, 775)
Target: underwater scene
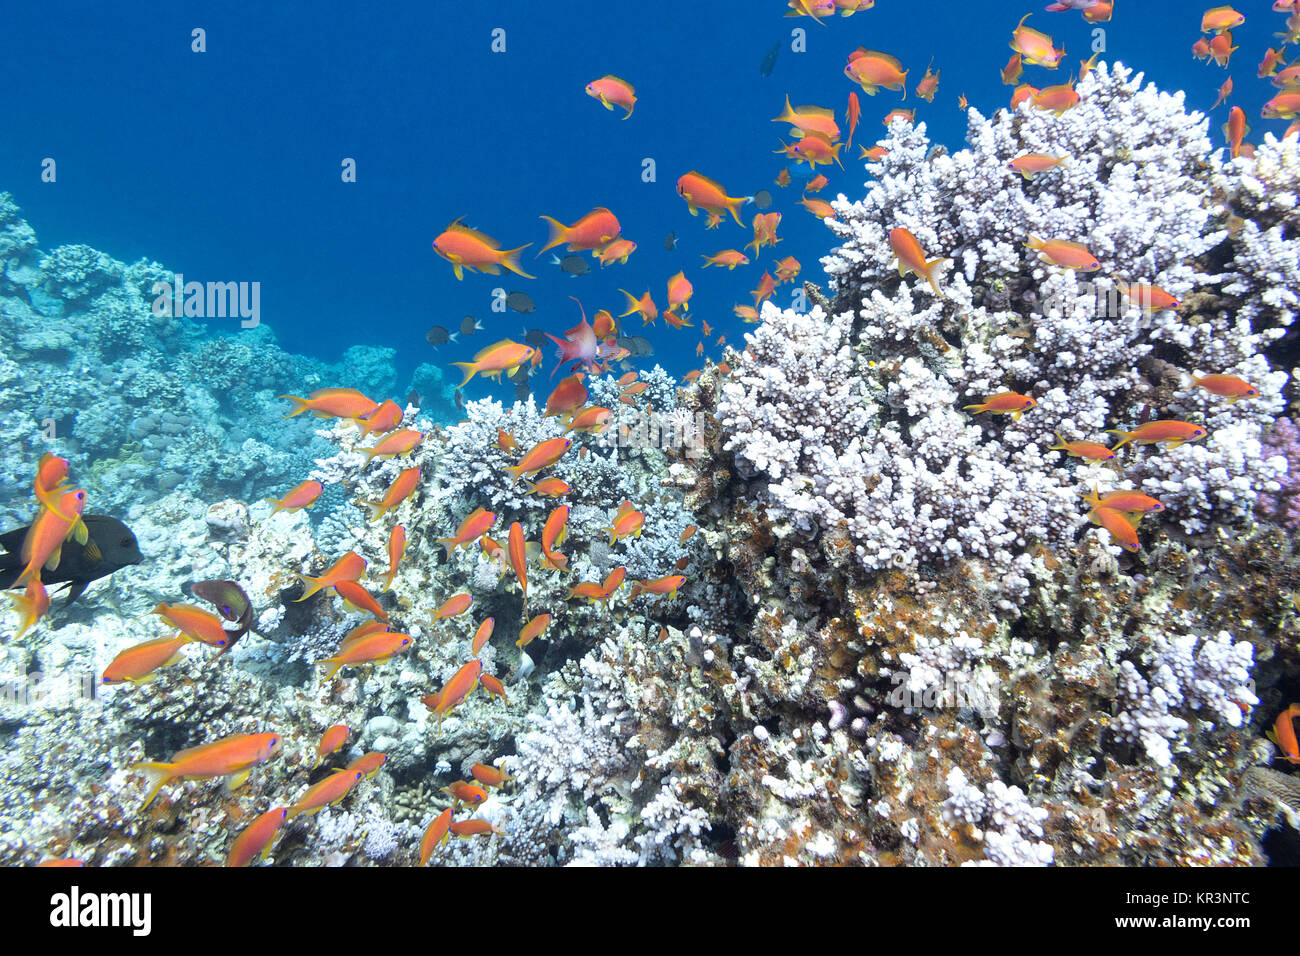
(779, 433)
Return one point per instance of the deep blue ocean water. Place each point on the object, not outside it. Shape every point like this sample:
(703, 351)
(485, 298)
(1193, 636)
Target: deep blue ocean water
(226, 165)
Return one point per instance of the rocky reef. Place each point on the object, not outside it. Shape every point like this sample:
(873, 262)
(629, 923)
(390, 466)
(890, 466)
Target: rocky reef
(899, 640)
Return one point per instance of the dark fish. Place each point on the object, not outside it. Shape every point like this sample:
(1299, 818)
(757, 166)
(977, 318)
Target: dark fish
(536, 338)
(520, 302)
(769, 62)
(231, 603)
(670, 243)
(460, 400)
(573, 265)
(523, 390)
(437, 335)
(413, 398)
(110, 547)
(469, 324)
(762, 199)
(636, 344)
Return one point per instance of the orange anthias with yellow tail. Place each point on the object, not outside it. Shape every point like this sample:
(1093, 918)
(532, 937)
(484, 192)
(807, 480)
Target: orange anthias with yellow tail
(911, 258)
(466, 248)
(230, 757)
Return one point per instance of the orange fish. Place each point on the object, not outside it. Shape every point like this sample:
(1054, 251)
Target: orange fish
(595, 230)
(368, 764)
(478, 523)
(549, 488)
(644, 305)
(517, 549)
(611, 90)
(1147, 297)
(616, 251)
(467, 248)
(329, 791)
(553, 534)
(700, 192)
(541, 455)
(493, 687)
(1284, 734)
(911, 258)
(816, 184)
(592, 420)
(490, 776)
(814, 149)
(257, 838)
(1089, 450)
(330, 741)
(371, 649)
(961, 102)
(686, 533)
(333, 403)
(138, 663)
(1056, 99)
(473, 827)
(462, 791)
(437, 831)
(1061, 252)
(1122, 531)
(782, 178)
(787, 269)
(691, 376)
(454, 606)
(454, 691)
(1224, 92)
(398, 443)
(677, 321)
(397, 492)
(1100, 12)
(746, 312)
(851, 114)
(1023, 93)
(766, 286)
(383, 419)
(1201, 49)
(875, 153)
(1235, 129)
(504, 356)
(1219, 19)
(396, 548)
(1004, 403)
(603, 324)
(666, 585)
(810, 119)
(1133, 503)
(354, 595)
(628, 523)
(1030, 165)
(1226, 386)
(230, 757)
(1221, 49)
(194, 622)
(570, 394)
(43, 545)
(1088, 65)
(1283, 106)
(680, 291)
(818, 207)
(533, 629)
(928, 84)
(482, 636)
(360, 631)
(908, 116)
(699, 349)
(1035, 48)
(872, 70)
(303, 495)
(506, 441)
(347, 568)
(50, 473)
(31, 606)
(1012, 72)
(1165, 431)
(1288, 78)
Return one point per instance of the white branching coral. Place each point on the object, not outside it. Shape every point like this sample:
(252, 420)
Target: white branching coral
(856, 419)
(1007, 818)
(1213, 677)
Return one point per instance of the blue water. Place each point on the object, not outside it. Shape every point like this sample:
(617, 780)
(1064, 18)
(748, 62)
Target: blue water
(225, 165)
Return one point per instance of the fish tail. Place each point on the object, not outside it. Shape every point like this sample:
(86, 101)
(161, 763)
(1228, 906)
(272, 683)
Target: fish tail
(929, 274)
(449, 544)
(377, 508)
(159, 774)
(559, 231)
(26, 608)
(735, 205)
(312, 586)
(300, 404)
(1128, 436)
(337, 666)
(470, 369)
(510, 259)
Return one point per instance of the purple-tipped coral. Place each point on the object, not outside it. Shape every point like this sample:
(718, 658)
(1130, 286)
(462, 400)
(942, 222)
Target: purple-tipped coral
(1283, 506)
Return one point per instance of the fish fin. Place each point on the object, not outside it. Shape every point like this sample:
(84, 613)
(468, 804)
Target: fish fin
(80, 533)
(237, 780)
(158, 775)
(75, 590)
(92, 552)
